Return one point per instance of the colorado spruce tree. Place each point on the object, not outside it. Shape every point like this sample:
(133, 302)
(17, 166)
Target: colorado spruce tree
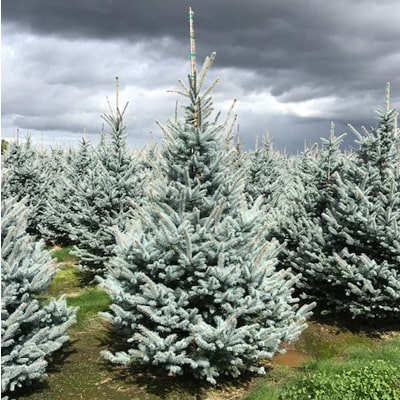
(30, 331)
(193, 284)
(103, 198)
(65, 171)
(55, 223)
(291, 217)
(23, 176)
(348, 249)
(267, 174)
(83, 160)
(319, 187)
(363, 227)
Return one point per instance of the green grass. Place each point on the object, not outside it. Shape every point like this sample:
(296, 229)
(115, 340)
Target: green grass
(65, 281)
(90, 300)
(63, 254)
(326, 341)
(269, 387)
(375, 379)
(365, 364)
(388, 350)
(90, 303)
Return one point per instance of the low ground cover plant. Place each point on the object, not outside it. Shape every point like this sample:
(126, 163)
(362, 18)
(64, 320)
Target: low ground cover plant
(378, 379)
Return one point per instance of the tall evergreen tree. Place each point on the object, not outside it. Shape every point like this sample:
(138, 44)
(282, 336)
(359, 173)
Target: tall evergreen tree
(193, 284)
(103, 198)
(30, 332)
(299, 207)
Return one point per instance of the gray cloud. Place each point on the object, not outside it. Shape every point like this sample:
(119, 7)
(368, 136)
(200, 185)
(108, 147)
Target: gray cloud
(293, 65)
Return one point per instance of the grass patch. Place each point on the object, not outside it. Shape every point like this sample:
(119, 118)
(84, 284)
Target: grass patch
(375, 380)
(322, 341)
(90, 300)
(63, 254)
(388, 350)
(90, 303)
(269, 386)
(65, 281)
(367, 369)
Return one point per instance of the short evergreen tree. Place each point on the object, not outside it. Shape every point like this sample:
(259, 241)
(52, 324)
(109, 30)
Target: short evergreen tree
(362, 228)
(23, 177)
(30, 331)
(11, 155)
(267, 174)
(318, 188)
(347, 247)
(83, 160)
(65, 171)
(55, 224)
(193, 284)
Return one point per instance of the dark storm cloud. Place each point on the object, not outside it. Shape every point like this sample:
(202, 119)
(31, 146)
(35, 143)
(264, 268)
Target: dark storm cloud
(102, 19)
(298, 51)
(319, 37)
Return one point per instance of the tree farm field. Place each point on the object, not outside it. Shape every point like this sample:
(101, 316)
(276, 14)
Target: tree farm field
(202, 261)
(78, 371)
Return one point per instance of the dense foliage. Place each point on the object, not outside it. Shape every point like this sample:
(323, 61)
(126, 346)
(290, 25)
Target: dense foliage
(377, 379)
(30, 331)
(336, 213)
(342, 226)
(193, 283)
(185, 237)
(103, 196)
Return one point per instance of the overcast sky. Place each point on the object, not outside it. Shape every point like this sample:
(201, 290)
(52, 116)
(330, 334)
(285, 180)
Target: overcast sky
(293, 65)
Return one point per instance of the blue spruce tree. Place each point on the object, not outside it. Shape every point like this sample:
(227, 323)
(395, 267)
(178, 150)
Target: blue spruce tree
(193, 284)
(347, 247)
(363, 261)
(65, 171)
(267, 174)
(83, 160)
(30, 331)
(103, 198)
(304, 229)
(55, 224)
(23, 177)
(298, 206)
